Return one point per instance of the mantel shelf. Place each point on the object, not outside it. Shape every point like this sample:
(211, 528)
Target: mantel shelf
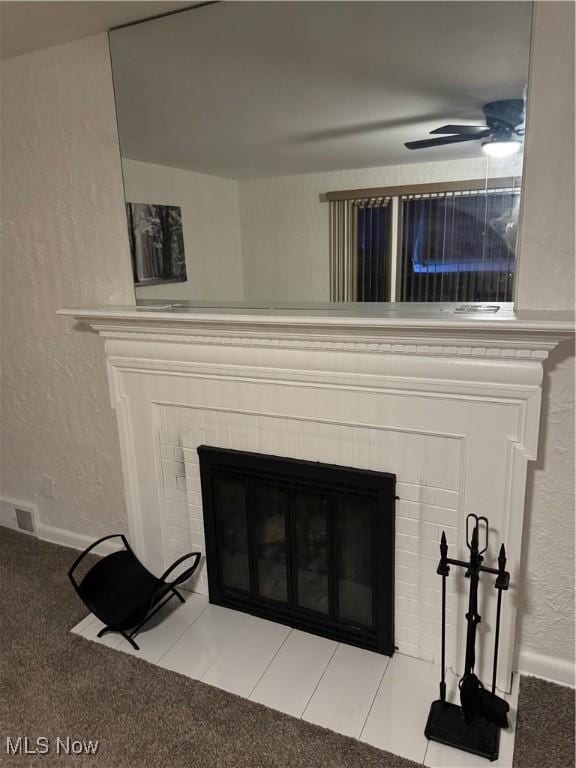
(444, 317)
(385, 329)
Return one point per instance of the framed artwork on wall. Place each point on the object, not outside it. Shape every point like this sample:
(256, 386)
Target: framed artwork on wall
(156, 243)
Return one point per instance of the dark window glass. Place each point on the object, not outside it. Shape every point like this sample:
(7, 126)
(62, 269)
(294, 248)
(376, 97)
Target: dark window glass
(354, 555)
(233, 532)
(310, 522)
(459, 247)
(271, 506)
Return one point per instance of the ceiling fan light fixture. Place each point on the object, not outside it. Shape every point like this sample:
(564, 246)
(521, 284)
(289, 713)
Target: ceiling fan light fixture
(501, 147)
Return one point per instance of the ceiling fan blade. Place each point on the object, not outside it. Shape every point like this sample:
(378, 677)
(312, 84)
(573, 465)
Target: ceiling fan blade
(424, 143)
(462, 130)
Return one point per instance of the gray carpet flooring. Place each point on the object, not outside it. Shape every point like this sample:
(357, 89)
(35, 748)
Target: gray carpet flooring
(55, 684)
(545, 727)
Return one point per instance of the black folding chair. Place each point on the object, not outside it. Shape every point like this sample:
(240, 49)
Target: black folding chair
(122, 593)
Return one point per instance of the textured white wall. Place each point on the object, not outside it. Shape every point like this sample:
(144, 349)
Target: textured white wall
(547, 615)
(547, 246)
(285, 227)
(211, 226)
(64, 244)
(546, 281)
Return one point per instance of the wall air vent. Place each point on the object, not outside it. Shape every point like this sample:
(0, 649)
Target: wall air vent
(18, 516)
(25, 520)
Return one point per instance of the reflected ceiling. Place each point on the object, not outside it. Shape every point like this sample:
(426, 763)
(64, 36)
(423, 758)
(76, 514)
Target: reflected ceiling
(244, 90)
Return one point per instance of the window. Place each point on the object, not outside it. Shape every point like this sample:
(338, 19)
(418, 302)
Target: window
(455, 243)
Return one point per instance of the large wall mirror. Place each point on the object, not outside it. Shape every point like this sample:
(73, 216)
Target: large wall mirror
(281, 153)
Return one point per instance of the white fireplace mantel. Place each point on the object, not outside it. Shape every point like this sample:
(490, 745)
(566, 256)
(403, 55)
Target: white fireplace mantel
(448, 402)
(401, 321)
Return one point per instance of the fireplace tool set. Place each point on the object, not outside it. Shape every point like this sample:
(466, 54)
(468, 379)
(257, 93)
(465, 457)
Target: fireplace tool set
(475, 725)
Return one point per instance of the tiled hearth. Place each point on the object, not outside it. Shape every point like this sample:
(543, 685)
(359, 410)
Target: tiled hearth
(380, 700)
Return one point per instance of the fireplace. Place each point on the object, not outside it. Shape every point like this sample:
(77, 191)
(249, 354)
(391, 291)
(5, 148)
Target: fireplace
(303, 543)
(441, 400)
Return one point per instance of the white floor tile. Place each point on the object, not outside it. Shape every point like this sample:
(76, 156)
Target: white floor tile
(384, 702)
(165, 628)
(90, 632)
(291, 678)
(398, 716)
(508, 736)
(83, 625)
(242, 663)
(196, 650)
(346, 691)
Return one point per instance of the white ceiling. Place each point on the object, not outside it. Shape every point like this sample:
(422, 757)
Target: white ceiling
(268, 88)
(29, 26)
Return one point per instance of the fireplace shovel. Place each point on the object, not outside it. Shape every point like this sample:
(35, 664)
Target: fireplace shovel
(475, 726)
(476, 701)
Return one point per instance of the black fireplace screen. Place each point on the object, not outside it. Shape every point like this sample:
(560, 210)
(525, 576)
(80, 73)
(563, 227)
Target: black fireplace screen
(307, 544)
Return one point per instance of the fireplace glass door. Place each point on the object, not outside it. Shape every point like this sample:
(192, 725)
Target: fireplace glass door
(307, 544)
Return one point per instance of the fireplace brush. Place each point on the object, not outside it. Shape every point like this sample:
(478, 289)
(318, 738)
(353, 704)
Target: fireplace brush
(475, 725)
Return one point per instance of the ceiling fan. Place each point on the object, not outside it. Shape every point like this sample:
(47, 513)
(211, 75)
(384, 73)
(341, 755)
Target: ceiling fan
(502, 134)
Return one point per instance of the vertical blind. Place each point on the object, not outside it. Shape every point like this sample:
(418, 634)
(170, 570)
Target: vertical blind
(359, 249)
(458, 246)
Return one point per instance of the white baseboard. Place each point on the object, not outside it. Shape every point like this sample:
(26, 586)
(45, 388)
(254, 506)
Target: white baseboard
(74, 540)
(550, 668)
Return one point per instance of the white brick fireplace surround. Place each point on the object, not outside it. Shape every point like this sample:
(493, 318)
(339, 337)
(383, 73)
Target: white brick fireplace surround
(449, 403)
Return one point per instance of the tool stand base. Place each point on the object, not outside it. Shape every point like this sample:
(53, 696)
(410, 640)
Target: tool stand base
(446, 725)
